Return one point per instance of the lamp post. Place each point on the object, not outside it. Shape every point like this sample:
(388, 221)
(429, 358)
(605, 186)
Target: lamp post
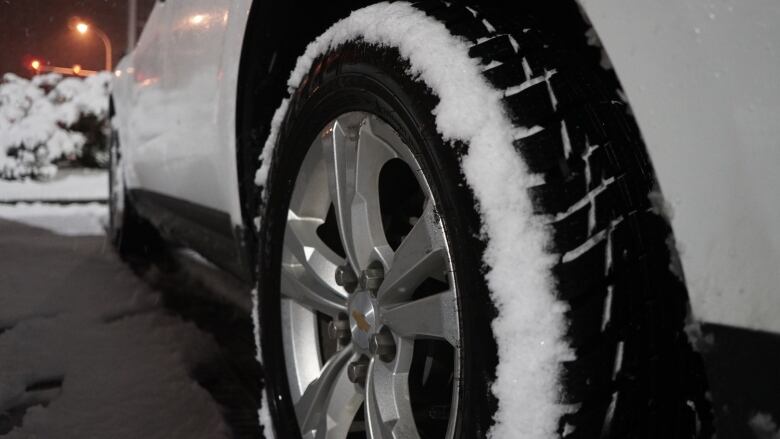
(82, 28)
(132, 23)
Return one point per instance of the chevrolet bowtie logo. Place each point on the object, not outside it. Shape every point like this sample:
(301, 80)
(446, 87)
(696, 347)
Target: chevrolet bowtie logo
(361, 321)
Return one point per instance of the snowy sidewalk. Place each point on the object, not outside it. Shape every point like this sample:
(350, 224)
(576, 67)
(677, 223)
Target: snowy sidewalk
(86, 347)
(69, 185)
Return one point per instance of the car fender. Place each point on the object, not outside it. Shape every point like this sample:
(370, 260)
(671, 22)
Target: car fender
(701, 79)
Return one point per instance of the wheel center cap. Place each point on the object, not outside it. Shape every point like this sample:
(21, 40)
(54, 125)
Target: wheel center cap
(363, 318)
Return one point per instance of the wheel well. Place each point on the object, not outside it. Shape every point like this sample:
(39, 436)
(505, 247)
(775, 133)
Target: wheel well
(277, 33)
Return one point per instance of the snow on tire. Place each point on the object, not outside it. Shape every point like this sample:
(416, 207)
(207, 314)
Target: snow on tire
(573, 267)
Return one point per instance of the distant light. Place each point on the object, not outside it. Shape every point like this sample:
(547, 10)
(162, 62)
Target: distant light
(197, 19)
(35, 64)
(76, 69)
(118, 73)
(82, 28)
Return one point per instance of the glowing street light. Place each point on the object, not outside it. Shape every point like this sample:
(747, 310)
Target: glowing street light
(83, 28)
(36, 65)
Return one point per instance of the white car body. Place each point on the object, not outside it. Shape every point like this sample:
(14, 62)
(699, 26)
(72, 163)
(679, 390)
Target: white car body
(700, 77)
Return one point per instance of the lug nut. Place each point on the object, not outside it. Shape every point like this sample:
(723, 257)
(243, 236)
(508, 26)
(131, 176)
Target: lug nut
(346, 278)
(372, 278)
(382, 345)
(339, 330)
(357, 371)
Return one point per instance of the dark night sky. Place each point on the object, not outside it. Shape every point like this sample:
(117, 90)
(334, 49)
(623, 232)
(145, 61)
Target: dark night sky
(39, 28)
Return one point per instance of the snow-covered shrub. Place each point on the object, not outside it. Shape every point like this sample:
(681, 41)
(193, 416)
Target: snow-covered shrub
(48, 121)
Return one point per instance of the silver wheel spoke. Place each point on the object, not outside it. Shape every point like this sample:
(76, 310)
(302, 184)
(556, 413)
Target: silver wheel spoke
(420, 255)
(354, 157)
(329, 404)
(308, 266)
(339, 150)
(388, 409)
(434, 316)
(302, 242)
(296, 287)
(369, 240)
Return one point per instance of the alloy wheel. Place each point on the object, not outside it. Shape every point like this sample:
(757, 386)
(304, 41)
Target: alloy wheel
(369, 306)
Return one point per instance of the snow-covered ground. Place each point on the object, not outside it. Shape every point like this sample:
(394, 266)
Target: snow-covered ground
(87, 349)
(67, 185)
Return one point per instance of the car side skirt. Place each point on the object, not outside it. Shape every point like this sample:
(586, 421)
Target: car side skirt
(207, 231)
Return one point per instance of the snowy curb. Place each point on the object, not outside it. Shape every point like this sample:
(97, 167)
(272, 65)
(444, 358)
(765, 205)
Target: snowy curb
(530, 325)
(87, 219)
(72, 185)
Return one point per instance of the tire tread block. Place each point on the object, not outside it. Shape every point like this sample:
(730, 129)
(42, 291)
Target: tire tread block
(531, 107)
(550, 199)
(505, 75)
(578, 276)
(496, 48)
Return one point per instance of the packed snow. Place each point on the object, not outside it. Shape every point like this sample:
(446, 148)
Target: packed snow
(38, 118)
(530, 324)
(87, 348)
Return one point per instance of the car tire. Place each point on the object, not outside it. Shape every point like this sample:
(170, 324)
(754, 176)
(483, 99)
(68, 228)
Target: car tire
(635, 373)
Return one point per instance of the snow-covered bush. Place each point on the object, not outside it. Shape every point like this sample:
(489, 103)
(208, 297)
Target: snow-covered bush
(51, 120)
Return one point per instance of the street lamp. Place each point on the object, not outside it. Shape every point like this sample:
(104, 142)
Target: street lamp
(83, 28)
